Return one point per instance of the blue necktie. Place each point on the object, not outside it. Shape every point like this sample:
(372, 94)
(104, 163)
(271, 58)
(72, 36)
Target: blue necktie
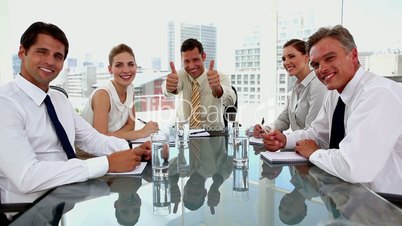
(338, 127)
(61, 133)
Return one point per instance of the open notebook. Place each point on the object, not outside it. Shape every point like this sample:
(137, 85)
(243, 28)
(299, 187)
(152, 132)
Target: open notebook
(172, 140)
(137, 172)
(287, 157)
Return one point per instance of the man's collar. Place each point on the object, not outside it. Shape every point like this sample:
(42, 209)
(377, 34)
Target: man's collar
(350, 88)
(34, 92)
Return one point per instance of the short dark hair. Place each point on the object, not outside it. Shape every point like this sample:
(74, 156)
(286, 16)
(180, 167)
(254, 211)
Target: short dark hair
(191, 44)
(298, 44)
(337, 32)
(29, 37)
(121, 48)
(122, 221)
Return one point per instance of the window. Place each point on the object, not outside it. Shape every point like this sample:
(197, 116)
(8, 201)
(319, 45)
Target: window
(238, 50)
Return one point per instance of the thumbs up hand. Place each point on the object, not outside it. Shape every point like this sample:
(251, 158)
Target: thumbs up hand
(172, 80)
(214, 80)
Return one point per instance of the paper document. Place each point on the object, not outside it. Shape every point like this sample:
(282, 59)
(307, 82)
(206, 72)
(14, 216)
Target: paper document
(199, 133)
(140, 140)
(283, 157)
(136, 172)
(255, 141)
(136, 142)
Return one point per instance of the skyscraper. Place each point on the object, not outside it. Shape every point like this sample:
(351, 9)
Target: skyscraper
(246, 77)
(299, 25)
(179, 32)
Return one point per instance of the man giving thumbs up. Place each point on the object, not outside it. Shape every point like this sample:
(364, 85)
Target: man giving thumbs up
(214, 88)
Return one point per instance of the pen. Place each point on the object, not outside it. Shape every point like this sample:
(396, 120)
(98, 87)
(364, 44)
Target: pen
(266, 131)
(130, 145)
(262, 126)
(144, 122)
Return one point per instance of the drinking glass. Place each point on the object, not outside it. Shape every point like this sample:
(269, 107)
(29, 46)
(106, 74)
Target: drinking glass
(239, 147)
(160, 155)
(161, 196)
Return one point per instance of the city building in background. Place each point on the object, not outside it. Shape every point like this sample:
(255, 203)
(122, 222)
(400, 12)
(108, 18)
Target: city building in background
(247, 48)
(246, 77)
(179, 32)
(388, 64)
(300, 25)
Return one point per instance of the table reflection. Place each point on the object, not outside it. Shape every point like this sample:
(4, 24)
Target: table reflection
(292, 207)
(128, 204)
(202, 193)
(50, 209)
(240, 184)
(354, 203)
(209, 159)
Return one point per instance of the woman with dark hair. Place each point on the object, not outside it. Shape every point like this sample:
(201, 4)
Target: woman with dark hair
(307, 95)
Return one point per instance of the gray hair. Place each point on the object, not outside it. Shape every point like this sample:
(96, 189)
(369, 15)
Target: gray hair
(338, 32)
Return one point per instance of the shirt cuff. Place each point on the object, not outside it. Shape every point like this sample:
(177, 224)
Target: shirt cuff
(315, 156)
(290, 141)
(97, 167)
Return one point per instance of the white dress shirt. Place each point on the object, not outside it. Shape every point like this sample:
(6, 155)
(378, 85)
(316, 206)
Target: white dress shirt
(371, 152)
(32, 159)
(212, 107)
(301, 110)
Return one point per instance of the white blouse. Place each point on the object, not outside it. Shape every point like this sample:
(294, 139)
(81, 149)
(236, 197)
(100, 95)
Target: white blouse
(119, 112)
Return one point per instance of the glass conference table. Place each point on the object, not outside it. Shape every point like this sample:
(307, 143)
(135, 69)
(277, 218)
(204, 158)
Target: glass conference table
(209, 190)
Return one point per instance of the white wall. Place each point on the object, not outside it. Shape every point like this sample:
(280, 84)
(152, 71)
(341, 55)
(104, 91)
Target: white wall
(6, 71)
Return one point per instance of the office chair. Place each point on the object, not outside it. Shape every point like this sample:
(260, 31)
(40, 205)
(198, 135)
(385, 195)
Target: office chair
(58, 88)
(18, 208)
(11, 208)
(393, 198)
(230, 109)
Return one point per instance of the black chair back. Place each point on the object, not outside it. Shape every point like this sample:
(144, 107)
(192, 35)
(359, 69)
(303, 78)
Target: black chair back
(58, 88)
(230, 109)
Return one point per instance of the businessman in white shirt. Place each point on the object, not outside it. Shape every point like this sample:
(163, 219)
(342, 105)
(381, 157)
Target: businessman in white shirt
(370, 151)
(32, 159)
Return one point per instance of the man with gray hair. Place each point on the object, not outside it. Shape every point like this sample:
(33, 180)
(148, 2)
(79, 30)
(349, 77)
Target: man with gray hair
(357, 135)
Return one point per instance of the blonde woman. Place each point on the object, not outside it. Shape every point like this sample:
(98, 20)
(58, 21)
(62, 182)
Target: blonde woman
(109, 107)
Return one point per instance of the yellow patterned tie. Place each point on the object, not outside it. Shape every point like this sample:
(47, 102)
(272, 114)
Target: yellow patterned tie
(195, 120)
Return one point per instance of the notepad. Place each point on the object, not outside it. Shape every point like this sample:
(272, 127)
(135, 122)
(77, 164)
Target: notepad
(255, 141)
(135, 172)
(141, 140)
(137, 142)
(288, 157)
